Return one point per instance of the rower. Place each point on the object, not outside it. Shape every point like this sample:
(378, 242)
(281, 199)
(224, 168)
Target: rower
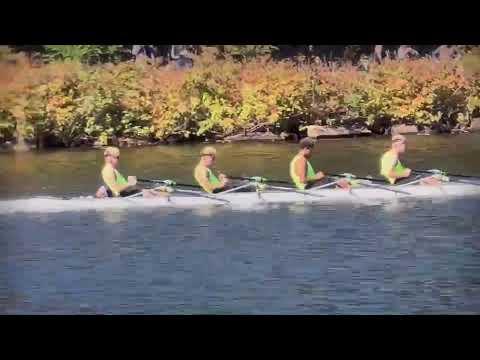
(115, 183)
(204, 175)
(393, 170)
(302, 172)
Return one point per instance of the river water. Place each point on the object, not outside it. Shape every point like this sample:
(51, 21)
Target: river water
(413, 256)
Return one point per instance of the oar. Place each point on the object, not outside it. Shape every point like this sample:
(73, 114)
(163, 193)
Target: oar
(295, 191)
(364, 183)
(323, 186)
(173, 184)
(347, 175)
(442, 173)
(141, 192)
(435, 171)
(466, 182)
(196, 193)
(259, 179)
(235, 189)
(167, 182)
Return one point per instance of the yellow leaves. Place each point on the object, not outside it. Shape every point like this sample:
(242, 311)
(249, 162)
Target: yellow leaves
(222, 96)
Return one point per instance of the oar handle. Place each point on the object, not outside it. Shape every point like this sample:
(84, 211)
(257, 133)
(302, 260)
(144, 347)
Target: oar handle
(352, 176)
(434, 171)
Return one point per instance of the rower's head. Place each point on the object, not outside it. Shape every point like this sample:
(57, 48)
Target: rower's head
(399, 143)
(112, 155)
(208, 155)
(306, 146)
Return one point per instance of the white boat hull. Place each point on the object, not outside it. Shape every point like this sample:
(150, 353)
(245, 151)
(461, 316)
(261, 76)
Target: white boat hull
(236, 200)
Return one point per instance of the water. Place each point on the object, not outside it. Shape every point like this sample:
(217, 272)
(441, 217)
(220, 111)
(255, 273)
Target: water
(404, 257)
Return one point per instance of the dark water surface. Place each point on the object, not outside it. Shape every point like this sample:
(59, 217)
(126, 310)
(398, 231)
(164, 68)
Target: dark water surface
(404, 257)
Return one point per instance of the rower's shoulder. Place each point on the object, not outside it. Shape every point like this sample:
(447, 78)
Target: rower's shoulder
(389, 154)
(107, 167)
(199, 169)
(107, 170)
(299, 157)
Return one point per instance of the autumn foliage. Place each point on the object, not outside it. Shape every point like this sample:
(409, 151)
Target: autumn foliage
(69, 100)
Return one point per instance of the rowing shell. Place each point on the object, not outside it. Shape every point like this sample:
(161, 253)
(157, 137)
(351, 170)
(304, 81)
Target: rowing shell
(236, 200)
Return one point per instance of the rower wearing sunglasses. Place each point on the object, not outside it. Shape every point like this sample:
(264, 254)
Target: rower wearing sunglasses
(204, 175)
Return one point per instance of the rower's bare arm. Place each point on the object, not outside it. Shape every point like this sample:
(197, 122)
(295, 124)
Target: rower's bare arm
(223, 179)
(132, 181)
(108, 176)
(301, 169)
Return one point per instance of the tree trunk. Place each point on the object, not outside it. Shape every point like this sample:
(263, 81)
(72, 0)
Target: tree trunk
(21, 145)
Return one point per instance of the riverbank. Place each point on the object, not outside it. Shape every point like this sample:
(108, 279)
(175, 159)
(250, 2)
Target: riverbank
(71, 104)
(314, 132)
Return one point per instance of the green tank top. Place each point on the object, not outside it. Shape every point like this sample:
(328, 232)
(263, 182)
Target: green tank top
(386, 164)
(212, 179)
(295, 177)
(119, 179)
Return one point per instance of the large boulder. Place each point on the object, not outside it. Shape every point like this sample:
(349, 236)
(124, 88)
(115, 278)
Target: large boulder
(475, 125)
(404, 129)
(289, 136)
(318, 131)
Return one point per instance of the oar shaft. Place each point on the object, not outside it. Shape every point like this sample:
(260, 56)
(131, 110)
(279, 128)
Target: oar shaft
(323, 186)
(306, 193)
(251, 178)
(359, 178)
(466, 182)
(235, 189)
(385, 188)
(448, 174)
(153, 181)
(196, 193)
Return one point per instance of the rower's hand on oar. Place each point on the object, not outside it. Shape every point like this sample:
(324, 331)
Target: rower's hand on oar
(223, 179)
(319, 175)
(132, 180)
(408, 172)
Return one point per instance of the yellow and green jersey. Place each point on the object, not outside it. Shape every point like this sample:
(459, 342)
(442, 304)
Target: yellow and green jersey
(112, 178)
(295, 177)
(206, 178)
(389, 162)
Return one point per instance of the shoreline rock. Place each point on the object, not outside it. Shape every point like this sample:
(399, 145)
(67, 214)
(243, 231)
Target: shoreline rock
(404, 129)
(474, 125)
(322, 131)
(255, 136)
